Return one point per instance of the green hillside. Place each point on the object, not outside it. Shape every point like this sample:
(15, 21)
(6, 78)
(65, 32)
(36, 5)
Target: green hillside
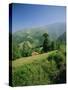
(30, 59)
(39, 55)
(35, 34)
(62, 38)
(42, 69)
(25, 41)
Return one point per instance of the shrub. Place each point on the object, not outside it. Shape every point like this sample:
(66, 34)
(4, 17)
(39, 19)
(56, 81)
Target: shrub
(57, 57)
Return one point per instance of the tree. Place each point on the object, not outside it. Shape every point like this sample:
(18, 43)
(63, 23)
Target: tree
(26, 49)
(52, 45)
(15, 51)
(46, 45)
(58, 45)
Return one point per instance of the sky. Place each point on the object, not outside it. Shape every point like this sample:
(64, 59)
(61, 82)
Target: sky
(28, 16)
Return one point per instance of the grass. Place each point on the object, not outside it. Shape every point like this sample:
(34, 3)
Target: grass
(34, 70)
(30, 59)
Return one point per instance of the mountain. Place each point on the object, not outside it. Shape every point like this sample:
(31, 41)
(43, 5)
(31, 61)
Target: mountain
(34, 35)
(62, 38)
(56, 29)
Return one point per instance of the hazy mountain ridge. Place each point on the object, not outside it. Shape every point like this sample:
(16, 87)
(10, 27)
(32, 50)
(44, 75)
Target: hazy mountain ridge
(54, 30)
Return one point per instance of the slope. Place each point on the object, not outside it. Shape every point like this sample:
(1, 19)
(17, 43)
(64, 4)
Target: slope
(39, 69)
(54, 30)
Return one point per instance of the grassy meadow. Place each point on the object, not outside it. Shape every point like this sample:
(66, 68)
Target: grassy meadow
(40, 69)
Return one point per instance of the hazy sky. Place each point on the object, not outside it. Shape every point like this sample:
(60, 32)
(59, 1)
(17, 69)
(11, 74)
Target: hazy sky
(27, 16)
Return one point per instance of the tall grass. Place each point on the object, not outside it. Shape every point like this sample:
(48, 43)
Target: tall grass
(42, 71)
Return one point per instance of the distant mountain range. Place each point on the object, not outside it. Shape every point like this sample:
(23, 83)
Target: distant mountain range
(35, 34)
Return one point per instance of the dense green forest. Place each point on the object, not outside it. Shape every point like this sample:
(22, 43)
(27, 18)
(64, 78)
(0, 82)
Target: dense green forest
(39, 55)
